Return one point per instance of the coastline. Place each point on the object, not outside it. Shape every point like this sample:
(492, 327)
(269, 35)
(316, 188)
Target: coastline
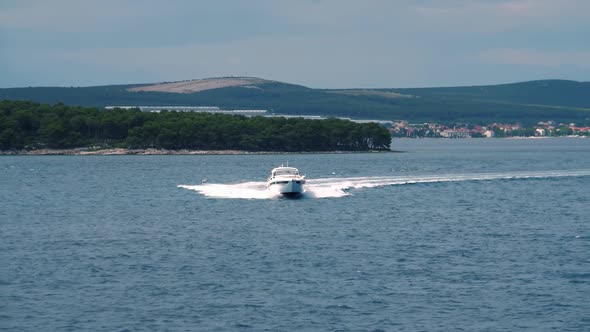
(161, 152)
(492, 138)
(544, 137)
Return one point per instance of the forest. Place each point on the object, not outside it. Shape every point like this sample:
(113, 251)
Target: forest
(29, 125)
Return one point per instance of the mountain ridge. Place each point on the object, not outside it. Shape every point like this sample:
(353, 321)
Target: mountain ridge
(264, 80)
(562, 100)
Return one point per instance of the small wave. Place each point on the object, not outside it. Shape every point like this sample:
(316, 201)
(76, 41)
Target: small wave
(339, 187)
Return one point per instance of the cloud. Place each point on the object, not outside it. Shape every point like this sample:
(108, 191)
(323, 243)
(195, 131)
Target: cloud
(320, 43)
(66, 15)
(316, 61)
(529, 57)
(502, 15)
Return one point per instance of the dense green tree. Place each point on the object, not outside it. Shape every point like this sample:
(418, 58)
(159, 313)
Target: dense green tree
(31, 125)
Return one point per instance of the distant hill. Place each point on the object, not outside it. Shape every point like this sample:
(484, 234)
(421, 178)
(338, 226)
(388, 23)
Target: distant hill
(544, 92)
(525, 102)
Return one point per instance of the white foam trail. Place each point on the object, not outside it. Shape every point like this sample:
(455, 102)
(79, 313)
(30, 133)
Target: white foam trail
(246, 190)
(338, 187)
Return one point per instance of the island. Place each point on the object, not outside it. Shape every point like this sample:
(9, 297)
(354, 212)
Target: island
(34, 128)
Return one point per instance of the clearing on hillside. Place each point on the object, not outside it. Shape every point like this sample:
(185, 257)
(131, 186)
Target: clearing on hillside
(200, 85)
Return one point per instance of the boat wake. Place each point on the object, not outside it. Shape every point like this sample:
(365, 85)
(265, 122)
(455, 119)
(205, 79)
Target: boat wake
(339, 187)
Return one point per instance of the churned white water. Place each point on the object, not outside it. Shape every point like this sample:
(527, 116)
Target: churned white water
(341, 186)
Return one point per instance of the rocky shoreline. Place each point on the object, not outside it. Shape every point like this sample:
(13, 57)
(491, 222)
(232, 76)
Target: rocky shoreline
(156, 152)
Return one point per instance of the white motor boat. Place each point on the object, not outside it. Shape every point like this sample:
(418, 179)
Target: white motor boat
(286, 180)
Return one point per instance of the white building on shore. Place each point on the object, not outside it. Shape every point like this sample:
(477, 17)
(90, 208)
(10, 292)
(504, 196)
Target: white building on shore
(196, 109)
(455, 133)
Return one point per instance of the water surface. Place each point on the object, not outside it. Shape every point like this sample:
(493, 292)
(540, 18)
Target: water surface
(475, 235)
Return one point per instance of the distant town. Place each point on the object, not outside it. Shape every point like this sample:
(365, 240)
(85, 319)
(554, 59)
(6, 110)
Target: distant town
(403, 128)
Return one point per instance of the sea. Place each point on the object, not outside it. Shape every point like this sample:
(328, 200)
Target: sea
(448, 235)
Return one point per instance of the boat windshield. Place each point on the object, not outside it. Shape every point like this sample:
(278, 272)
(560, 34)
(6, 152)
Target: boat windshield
(285, 172)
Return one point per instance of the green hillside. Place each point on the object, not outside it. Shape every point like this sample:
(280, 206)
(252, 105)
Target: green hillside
(544, 92)
(525, 102)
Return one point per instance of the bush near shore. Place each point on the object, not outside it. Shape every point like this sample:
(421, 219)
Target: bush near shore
(29, 125)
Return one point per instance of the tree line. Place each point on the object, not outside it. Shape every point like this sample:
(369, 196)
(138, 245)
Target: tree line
(29, 125)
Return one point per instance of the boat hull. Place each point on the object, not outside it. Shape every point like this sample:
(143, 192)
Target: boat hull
(288, 188)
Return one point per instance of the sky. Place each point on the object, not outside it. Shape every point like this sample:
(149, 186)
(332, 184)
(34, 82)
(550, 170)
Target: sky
(316, 43)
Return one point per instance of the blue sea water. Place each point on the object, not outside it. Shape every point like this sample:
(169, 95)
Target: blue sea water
(452, 235)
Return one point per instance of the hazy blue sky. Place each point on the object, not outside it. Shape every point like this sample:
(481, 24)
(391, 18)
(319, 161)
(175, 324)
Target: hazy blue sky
(321, 43)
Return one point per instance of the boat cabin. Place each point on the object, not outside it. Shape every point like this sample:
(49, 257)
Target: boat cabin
(285, 172)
